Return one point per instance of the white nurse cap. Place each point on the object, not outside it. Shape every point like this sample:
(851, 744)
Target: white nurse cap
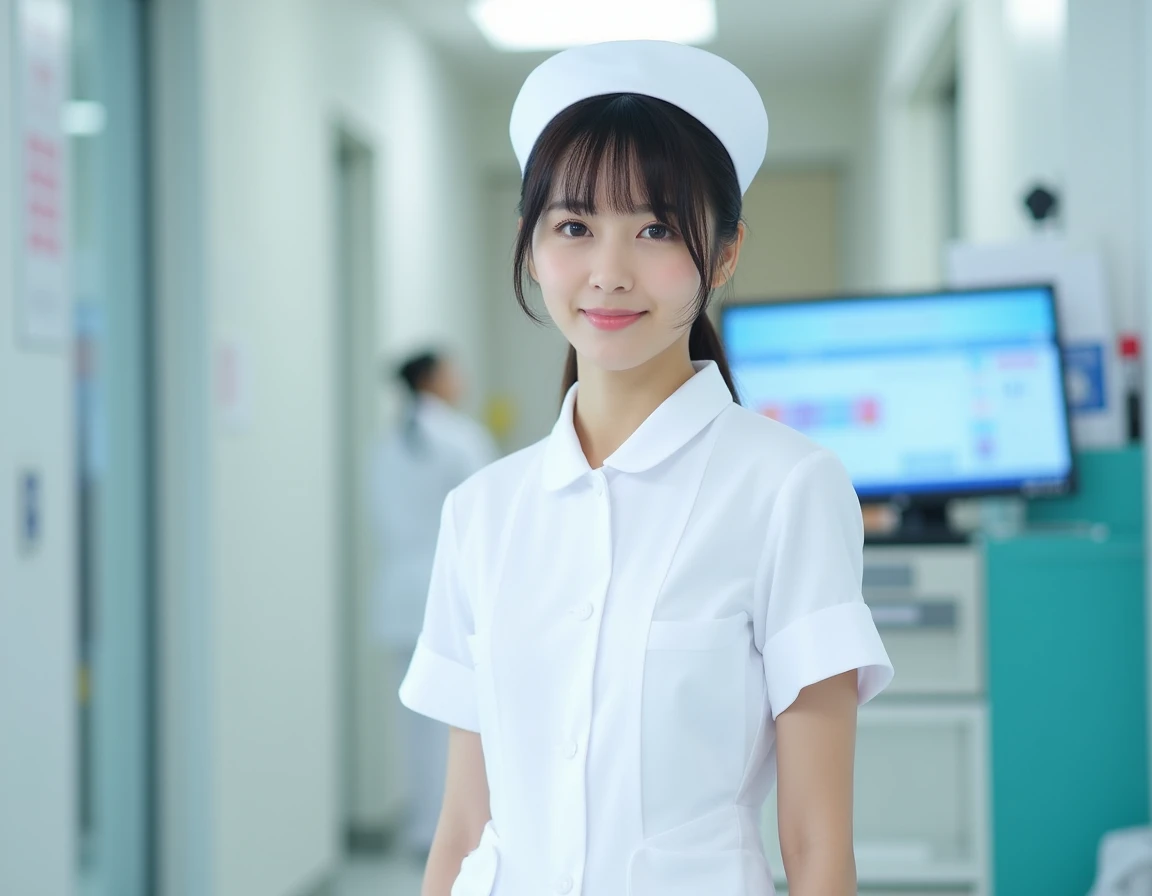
(708, 88)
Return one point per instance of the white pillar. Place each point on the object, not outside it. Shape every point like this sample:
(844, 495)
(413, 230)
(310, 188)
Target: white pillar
(187, 796)
(1105, 165)
(1036, 48)
(988, 207)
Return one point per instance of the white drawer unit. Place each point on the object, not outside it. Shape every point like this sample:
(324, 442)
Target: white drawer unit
(920, 807)
(929, 607)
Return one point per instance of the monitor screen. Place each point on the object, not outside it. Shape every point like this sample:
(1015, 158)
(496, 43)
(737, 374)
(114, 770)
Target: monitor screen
(937, 394)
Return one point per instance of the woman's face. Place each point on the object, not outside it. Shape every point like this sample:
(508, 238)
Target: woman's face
(620, 287)
(446, 383)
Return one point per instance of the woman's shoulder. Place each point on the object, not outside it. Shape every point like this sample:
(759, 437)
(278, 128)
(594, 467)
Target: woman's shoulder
(756, 444)
(488, 489)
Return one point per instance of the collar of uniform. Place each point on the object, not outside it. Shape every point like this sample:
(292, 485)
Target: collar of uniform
(682, 416)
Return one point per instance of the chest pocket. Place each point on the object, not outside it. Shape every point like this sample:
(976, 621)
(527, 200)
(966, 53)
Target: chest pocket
(693, 718)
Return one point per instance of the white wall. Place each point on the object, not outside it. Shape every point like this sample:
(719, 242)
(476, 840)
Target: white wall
(258, 657)
(185, 710)
(899, 214)
(381, 75)
(1012, 122)
(37, 593)
(1107, 161)
(900, 218)
(1012, 132)
(1055, 104)
(988, 196)
(1007, 97)
(1035, 104)
(268, 284)
(1037, 70)
(896, 196)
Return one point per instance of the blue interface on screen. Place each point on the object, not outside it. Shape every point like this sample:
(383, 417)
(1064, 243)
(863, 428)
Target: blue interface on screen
(945, 393)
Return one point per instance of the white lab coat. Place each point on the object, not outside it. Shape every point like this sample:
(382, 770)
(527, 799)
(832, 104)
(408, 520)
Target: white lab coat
(624, 639)
(409, 484)
(1125, 864)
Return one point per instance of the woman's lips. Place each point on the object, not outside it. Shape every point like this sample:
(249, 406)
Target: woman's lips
(611, 318)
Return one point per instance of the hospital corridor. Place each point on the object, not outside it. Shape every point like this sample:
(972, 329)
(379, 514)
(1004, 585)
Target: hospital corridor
(618, 448)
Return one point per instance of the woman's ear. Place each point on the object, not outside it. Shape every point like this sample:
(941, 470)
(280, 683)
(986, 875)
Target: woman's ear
(729, 258)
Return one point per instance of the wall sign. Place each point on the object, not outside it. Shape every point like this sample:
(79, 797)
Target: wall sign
(42, 87)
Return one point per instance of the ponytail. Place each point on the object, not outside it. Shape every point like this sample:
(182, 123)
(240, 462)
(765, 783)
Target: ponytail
(413, 435)
(415, 373)
(570, 373)
(703, 345)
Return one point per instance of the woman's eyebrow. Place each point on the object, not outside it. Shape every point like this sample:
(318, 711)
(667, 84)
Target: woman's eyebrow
(569, 205)
(578, 207)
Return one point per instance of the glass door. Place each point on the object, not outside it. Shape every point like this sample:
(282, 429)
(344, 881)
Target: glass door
(104, 121)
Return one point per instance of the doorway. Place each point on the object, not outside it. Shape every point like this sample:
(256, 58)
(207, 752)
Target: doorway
(116, 637)
(794, 242)
(368, 797)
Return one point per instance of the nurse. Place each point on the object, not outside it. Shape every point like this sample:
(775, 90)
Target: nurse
(435, 448)
(641, 624)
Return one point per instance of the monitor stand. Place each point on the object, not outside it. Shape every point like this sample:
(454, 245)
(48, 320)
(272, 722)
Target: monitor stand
(922, 522)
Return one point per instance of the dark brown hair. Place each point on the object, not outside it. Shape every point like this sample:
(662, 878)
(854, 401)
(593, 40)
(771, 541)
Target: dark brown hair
(416, 372)
(686, 177)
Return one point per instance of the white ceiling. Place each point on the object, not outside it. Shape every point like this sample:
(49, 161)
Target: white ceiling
(772, 40)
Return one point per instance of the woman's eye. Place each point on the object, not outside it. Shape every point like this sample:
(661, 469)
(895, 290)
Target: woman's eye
(573, 228)
(657, 231)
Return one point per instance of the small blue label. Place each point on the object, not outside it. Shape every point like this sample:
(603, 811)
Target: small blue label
(1084, 377)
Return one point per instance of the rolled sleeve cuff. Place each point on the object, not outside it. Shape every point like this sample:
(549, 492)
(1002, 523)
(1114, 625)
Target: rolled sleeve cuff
(824, 644)
(441, 689)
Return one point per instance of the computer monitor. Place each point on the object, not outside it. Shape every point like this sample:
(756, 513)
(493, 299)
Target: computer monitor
(924, 397)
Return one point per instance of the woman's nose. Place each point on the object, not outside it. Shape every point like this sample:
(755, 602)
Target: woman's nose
(611, 270)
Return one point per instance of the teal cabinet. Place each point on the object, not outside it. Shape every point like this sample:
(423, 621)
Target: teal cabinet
(1067, 684)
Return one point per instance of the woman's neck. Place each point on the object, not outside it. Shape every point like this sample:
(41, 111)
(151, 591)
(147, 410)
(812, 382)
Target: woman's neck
(611, 404)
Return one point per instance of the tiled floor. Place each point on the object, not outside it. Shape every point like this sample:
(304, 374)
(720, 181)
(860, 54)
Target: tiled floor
(365, 877)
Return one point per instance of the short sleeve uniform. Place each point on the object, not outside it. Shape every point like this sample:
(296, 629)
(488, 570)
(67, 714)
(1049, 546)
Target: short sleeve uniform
(623, 639)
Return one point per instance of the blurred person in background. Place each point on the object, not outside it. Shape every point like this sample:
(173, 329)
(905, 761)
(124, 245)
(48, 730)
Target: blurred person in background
(435, 447)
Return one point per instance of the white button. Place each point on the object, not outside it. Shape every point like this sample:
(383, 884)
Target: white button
(598, 486)
(585, 611)
(571, 749)
(564, 885)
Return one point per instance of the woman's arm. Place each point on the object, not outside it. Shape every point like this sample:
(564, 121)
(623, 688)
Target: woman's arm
(815, 749)
(462, 818)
